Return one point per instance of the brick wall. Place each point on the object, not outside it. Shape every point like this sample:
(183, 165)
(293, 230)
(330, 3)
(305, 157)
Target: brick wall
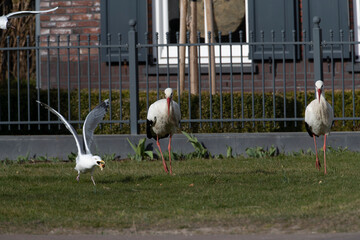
(72, 17)
(75, 22)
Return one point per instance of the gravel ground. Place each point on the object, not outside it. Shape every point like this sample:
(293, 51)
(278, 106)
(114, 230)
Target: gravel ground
(330, 236)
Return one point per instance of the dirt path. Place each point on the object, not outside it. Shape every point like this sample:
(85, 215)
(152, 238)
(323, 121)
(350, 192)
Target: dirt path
(343, 236)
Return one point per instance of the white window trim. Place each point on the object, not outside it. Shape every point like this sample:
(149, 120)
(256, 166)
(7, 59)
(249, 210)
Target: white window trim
(161, 26)
(356, 7)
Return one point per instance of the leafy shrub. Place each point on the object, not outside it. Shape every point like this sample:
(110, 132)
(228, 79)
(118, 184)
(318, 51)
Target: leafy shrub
(120, 110)
(140, 151)
(259, 152)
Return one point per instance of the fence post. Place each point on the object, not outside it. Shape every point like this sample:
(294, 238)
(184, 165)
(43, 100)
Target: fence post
(318, 59)
(133, 78)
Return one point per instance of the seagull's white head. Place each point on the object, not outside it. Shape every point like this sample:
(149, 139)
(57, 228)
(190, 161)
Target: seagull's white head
(100, 163)
(319, 87)
(168, 96)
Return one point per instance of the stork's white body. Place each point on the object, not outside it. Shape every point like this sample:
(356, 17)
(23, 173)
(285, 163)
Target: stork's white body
(163, 125)
(163, 119)
(319, 117)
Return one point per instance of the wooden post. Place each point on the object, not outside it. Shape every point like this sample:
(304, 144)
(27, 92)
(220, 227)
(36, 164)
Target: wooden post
(193, 58)
(182, 40)
(209, 21)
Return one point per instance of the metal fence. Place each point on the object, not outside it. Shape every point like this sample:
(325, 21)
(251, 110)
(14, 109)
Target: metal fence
(263, 92)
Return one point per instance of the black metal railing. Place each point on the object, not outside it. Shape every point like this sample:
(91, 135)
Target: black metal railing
(73, 73)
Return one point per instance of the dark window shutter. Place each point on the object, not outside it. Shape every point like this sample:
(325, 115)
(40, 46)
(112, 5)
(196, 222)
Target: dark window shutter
(115, 16)
(277, 16)
(334, 16)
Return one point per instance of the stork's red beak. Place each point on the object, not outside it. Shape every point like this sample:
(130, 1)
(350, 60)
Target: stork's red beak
(319, 93)
(168, 105)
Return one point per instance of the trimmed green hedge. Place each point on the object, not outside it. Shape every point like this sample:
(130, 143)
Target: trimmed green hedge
(195, 113)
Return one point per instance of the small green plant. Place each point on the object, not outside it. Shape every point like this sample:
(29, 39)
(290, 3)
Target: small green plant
(330, 149)
(200, 150)
(260, 152)
(54, 159)
(229, 153)
(41, 158)
(22, 159)
(174, 155)
(108, 157)
(72, 157)
(301, 152)
(140, 151)
(7, 161)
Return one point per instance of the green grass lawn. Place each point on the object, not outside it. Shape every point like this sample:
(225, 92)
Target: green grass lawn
(242, 194)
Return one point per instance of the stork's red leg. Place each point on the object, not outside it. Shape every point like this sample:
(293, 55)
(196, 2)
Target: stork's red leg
(325, 152)
(164, 163)
(317, 163)
(169, 149)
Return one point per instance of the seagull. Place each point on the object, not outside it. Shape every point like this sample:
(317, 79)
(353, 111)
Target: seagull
(85, 161)
(319, 117)
(163, 119)
(4, 24)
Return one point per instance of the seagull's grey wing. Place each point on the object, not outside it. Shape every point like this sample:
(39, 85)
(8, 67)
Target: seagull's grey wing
(67, 125)
(26, 13)
(91, 122)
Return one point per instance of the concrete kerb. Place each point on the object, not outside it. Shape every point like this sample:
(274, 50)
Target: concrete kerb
(62, 145)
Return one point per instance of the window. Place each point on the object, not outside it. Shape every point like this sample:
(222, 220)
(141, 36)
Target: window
(115, 16)
(279, 16)
(357, 27)
(166, 19)
(334, 16)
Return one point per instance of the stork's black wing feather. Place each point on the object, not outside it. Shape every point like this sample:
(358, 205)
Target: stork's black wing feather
(308, 129)
(148, 128)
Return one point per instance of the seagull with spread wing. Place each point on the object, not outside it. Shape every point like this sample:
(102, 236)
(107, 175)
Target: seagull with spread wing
(4, 20)
(85, 161)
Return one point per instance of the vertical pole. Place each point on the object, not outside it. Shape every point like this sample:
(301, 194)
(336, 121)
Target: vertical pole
(133, 78)
(37, 33)
(193, 57)
(317, 39)
(182, 40)
(209, 19)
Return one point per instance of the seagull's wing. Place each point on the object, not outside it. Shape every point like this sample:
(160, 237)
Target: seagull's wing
(25, 13)
(67, 125)
(91, 122)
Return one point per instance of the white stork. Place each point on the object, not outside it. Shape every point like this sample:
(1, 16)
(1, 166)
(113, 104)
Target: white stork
(4, 20)
(163, 119)
(85, 161)
(319, 117)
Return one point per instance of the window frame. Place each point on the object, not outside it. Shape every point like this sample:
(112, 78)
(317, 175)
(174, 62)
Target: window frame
(161, 26)
(356, 9)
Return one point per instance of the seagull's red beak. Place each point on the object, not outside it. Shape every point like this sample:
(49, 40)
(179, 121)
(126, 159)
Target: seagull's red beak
(319, 93)
(168, 105)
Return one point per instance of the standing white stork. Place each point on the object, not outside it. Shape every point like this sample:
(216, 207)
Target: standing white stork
(319, 117)
(85, 161)
(163, 119)
(4, 20)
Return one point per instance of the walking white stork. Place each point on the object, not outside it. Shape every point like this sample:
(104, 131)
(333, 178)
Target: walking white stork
(4, 20)
(163, 119)
(319, 117)
(85, 161)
